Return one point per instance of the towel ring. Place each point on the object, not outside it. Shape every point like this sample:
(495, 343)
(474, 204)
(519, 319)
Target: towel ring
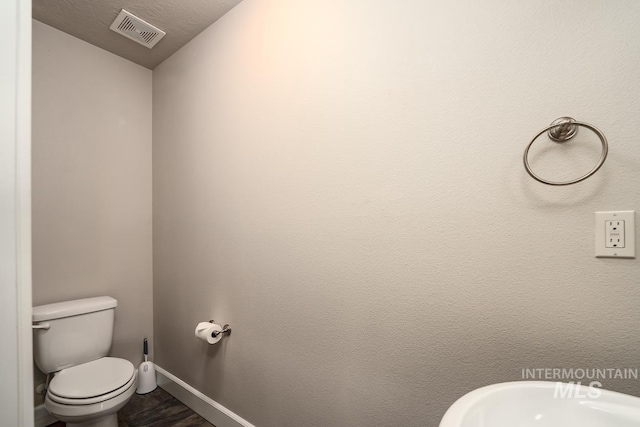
(562, 130)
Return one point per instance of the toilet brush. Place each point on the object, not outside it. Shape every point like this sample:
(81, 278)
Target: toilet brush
(146, 373)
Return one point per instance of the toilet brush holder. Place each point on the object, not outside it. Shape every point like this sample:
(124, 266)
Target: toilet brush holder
(146, 374)
(146, 378)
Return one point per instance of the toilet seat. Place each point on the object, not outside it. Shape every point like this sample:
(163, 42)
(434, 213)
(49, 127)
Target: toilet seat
(89, 413)
(92, 382)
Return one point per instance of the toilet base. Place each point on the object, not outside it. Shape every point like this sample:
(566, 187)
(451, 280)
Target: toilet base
(110, 420)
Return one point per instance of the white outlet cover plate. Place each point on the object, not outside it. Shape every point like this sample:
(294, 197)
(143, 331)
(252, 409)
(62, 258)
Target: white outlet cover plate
(629, 250)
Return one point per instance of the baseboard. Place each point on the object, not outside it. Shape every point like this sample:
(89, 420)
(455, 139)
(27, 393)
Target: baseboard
(206, 407)
(42, 417)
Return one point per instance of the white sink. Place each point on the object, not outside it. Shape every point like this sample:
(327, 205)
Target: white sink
(543, 404)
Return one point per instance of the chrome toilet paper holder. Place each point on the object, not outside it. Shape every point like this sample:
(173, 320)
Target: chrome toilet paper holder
(225, 330)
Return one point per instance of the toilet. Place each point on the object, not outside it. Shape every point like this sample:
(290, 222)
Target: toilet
(71, 340)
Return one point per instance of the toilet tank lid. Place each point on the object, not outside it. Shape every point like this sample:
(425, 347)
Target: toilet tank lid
(59, 310)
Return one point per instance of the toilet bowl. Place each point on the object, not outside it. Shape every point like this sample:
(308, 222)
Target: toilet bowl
(91, 394)
(71, 341)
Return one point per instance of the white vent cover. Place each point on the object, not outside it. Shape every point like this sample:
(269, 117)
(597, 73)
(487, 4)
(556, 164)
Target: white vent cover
(136, 29)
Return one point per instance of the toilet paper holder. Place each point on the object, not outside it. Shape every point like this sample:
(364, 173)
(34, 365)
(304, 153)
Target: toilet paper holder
(225, 330)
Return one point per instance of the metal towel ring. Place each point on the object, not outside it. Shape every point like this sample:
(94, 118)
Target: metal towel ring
(562, 130)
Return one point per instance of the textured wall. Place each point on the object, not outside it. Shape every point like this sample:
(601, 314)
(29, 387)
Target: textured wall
(92, 181)
(342, 182)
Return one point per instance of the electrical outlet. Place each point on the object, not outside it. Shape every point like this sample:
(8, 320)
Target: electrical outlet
(615, 234)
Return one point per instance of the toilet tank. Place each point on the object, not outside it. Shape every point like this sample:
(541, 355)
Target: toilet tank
(72, 332)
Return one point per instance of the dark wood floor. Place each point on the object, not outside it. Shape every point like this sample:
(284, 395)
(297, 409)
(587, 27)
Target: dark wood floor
(156, 409)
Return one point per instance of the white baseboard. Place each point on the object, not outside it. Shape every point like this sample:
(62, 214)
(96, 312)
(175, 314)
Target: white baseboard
(206, 407)
(42, 417)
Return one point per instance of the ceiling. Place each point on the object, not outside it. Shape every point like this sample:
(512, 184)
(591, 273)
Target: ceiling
(89, 20)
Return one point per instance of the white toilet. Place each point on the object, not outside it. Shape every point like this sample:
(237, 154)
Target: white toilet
(71, 340)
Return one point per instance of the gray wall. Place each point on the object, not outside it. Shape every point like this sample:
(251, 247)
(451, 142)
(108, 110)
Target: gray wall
(92, 181)
(342, 182)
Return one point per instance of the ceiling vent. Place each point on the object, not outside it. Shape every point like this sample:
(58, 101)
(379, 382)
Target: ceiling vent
(136, 29)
